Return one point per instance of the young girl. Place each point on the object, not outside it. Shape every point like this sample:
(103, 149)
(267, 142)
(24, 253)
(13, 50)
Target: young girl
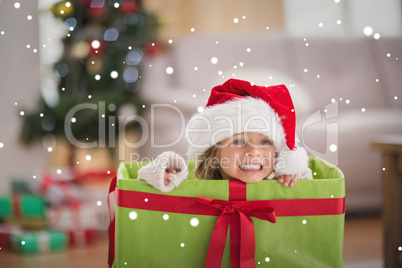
(247, 132)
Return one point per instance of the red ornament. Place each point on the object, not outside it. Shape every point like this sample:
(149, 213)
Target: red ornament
(85, 2)
(129, 6)
(97, 46)
(152, 49)
(97, 12)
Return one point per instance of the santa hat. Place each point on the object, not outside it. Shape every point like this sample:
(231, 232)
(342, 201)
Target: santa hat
(238, 106)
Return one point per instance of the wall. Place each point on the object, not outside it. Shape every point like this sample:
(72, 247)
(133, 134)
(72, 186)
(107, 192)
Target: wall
(19, 83)
(213, 17)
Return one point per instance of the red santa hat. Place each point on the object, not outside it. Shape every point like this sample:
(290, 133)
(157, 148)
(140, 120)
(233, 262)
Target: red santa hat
(238, 106)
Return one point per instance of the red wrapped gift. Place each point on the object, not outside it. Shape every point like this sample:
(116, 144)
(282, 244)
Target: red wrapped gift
(5, 232)
(81, 222)
(82, 237)
(58, 189)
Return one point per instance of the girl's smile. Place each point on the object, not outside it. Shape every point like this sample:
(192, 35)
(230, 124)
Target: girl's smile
(248, 157)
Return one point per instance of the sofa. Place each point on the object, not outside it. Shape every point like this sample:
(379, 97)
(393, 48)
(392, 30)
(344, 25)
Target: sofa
(346, 91)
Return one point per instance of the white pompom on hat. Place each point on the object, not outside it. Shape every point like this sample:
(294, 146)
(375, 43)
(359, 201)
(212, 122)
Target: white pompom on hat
(238, 106)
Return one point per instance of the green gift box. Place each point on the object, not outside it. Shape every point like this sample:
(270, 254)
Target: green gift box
(40, 241)
(21, 206)
(20, 185)
(222, 223)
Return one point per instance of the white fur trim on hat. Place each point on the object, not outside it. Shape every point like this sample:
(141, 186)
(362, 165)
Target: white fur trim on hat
(219, 122)
(293, 162)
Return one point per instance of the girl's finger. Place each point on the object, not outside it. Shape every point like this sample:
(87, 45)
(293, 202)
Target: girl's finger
(171, 170)
(293, 181)
(166, 178)
(286, 180)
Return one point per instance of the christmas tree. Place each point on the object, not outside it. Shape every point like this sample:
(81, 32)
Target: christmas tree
(100, 67)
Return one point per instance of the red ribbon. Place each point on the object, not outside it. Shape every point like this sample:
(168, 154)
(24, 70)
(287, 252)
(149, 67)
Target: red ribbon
(16, 205)
(111, 228)
(240, 210)
(94, 175)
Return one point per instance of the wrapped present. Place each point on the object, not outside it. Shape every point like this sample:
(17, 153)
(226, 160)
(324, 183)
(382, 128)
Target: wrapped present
(79, 221)
(37, 242)
(58, 189)
(5, 233)
(20, 185)
(21, 206)
(82, 237)
(227, 223)
(93, 186)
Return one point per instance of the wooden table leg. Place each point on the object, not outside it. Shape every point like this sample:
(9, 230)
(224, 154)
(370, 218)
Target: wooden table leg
(392, 209)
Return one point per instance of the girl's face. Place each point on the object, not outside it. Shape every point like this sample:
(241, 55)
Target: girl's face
(248, 157)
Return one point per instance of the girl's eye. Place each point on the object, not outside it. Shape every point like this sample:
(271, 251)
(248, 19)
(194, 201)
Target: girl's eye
(238, 142)
(265, 142)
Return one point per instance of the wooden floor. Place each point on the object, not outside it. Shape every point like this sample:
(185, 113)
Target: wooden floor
(362, 245)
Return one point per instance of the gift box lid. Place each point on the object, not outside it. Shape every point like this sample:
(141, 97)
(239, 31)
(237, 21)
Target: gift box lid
(327, 177)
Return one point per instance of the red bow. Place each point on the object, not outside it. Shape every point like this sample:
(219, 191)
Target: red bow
(236, 214)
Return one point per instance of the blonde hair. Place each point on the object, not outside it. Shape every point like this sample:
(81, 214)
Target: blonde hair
(208, 165)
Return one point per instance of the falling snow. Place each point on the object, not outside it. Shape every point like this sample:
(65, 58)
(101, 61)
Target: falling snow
(368, 30)
(169, 70)
(194, 222)
(133, 215)
(214, 60)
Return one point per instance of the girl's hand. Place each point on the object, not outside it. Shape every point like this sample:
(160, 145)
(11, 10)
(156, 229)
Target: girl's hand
(166, 172)
(166, 177)
(287, 180)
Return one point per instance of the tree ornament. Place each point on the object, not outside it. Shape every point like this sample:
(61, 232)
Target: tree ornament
(128, 7)
(97, 13)
(152, 48)
(62, 9)
(80, 50)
